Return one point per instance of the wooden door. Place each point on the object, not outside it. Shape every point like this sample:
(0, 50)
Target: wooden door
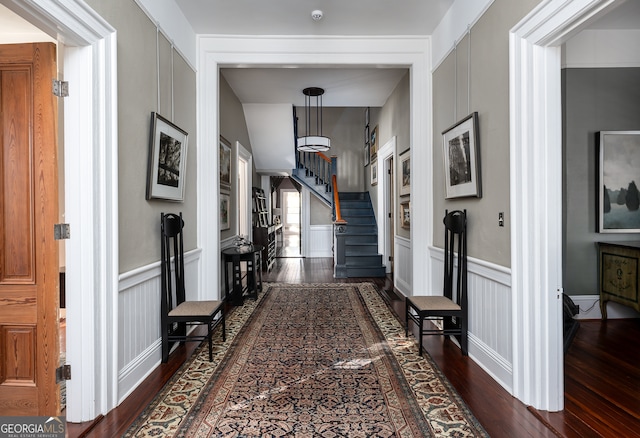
(29, 267)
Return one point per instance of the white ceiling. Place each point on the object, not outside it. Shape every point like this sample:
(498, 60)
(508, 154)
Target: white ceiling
(346, 87)
(293, 17)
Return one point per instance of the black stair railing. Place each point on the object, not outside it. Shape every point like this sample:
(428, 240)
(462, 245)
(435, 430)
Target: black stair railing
(316, 165)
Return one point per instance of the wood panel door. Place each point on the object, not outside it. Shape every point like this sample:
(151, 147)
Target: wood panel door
(29, 266)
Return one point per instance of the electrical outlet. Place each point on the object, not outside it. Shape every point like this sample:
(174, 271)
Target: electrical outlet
(501, 219)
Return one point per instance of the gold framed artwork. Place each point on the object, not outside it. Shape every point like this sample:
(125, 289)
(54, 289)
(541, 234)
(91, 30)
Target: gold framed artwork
(405, 214)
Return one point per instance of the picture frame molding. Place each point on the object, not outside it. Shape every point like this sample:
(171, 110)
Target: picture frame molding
(472, 185)
(161, 130)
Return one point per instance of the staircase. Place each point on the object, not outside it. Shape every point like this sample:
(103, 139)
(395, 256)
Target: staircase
(356, 250)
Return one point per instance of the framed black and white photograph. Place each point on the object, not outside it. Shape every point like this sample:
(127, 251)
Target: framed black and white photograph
(405, 173)
(405, 215)
(462, 159)
(618, 193)
(374, 172)
(166, 174)
(225, 199)
(225, 164)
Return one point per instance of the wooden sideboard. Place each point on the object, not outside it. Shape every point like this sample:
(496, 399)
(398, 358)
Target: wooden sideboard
(618, 274)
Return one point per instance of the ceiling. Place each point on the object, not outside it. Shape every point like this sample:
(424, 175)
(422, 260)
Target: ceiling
(293, 17)
(344, 86)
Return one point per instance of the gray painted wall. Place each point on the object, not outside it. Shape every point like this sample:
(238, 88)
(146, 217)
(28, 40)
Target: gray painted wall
(394, 120)
(594, 99)
(139, 223)
(482, 72)
(345, 127)
(233, 127)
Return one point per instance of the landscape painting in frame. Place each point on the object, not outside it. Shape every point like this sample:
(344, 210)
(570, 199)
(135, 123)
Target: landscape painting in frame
(167, 160)
(461, 153)
(619, 176)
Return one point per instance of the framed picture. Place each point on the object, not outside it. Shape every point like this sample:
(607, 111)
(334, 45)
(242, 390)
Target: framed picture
(462, 159)
(224, 211)
(166, 171)
(405, 214)
(618, 194)
(374, 143)
(367, 156)
(367, 136)
(405, 173)
(374, 172)
(225, 164)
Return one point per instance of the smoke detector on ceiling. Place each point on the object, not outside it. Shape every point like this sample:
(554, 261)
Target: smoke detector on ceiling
(316, 15)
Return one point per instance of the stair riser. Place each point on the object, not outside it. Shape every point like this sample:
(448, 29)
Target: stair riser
(364, 260)
(351, 240)
(365, 272)
(355, 211)
(359, 220)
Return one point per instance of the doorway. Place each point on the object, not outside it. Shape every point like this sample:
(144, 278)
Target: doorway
(291, 225)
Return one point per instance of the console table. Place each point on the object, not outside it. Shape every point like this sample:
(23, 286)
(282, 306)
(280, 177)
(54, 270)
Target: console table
(251, 280)
(618, 274)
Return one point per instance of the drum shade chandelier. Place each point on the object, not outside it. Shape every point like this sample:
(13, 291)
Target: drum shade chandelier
(313, 141)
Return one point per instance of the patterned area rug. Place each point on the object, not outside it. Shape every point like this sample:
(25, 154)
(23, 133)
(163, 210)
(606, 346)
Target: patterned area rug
(327, 360)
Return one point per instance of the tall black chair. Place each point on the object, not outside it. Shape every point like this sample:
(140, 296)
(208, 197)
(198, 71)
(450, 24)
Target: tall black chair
(450, 308)
(177, 313)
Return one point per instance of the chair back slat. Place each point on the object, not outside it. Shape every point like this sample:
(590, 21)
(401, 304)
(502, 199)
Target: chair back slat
(455, 238)
(172, 249)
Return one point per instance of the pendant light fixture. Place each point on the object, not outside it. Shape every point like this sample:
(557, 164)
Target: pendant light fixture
(313, 141)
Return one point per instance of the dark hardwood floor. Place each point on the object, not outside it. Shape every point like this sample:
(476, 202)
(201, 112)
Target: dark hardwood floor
(602, 376)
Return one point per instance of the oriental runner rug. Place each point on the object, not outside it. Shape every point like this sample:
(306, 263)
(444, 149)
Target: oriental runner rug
(307, 360)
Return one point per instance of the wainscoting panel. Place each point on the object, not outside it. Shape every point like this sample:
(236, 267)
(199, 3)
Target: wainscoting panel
(490, 323)
(320, 241)
(590, 308)
(402, 265)
(139, 320)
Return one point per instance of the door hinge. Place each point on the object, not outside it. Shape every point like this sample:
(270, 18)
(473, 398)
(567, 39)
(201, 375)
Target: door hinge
(63, 373)
(61, 231)
(60, 88)
(390, 258)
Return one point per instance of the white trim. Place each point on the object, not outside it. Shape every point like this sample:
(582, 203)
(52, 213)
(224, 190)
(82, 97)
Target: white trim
(90, 114)
(305, 222)
(387, 151)
(243, 154)
(589, 306)
(311, 51)
(455, 24)
(536, 197)
(321, 239)
(402, 274)
(92, 257)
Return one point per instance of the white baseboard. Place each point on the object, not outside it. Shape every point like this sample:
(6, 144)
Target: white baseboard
(590, 308)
